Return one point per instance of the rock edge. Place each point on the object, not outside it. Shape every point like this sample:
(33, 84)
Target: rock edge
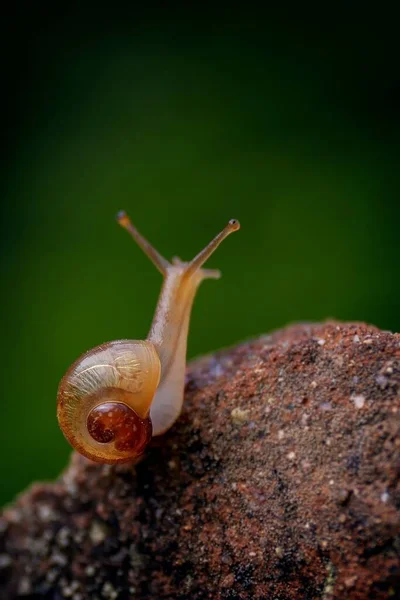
(280, 480)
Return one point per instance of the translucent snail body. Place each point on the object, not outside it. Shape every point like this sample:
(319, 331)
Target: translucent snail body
(116, 396)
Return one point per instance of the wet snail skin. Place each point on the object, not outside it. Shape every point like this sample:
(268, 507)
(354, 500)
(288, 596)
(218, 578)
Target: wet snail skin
(115, 397)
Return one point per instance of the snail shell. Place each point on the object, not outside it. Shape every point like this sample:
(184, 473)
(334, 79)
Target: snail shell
(104, 400)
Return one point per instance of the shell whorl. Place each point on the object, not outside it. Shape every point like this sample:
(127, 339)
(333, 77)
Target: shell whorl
(104, 399)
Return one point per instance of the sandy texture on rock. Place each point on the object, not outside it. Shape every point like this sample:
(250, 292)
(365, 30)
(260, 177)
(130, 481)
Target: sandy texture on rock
(279, 481)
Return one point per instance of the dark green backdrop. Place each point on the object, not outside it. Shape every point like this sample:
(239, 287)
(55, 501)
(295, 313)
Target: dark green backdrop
(292, 131)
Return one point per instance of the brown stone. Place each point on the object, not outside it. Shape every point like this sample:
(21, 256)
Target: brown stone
(279, 481)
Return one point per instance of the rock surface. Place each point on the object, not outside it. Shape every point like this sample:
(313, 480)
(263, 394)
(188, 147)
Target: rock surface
(279, 481)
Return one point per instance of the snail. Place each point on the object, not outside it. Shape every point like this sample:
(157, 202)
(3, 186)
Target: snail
(114, 398)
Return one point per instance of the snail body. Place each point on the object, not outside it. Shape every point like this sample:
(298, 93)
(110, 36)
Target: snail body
(116, 396)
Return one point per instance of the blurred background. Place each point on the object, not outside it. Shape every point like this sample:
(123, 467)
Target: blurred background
(185, 123)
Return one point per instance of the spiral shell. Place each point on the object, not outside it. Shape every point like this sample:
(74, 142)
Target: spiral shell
(104, 399)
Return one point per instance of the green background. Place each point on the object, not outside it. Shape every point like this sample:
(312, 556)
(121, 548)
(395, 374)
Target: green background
(293, 131)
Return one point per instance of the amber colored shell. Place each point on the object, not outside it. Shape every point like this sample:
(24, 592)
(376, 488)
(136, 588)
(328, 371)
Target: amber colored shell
(104, 399)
